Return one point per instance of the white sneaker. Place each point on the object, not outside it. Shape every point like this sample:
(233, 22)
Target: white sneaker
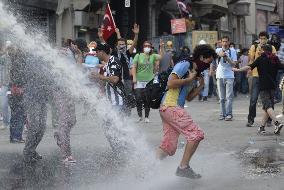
(147, 120)
(139, 119)
(2, 127)
(280, 115)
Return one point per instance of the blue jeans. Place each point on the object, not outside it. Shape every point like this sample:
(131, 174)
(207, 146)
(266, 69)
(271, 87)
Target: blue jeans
(5, 105)
(17, 117)
(253, 99)
(226, 94)
(205, 90)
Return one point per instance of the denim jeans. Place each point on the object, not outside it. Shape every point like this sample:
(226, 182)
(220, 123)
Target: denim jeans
(5, 106)
(205, 90)
(226, 94)
(253, 98)
(17, 117)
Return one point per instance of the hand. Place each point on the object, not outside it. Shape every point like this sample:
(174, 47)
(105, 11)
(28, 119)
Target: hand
(235, 69)
(117, 30)
(162, 43)
(222, 54)
(136, 29)
(95, 75)
(100, 32)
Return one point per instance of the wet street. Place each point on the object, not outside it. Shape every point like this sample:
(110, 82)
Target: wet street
(232, 156)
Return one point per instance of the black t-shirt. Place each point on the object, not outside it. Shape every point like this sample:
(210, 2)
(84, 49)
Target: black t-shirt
(124, 64)
(267, 72)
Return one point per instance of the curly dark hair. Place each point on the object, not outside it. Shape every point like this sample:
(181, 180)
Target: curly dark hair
(204, 50)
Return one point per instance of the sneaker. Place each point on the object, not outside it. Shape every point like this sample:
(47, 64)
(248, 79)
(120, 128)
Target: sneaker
(147, 120)
(187, 172)
(205, 98)
(32, 159)
(2, 127)
(37, 156)
(139, 119)
(249, 124)
(278, 128)
(199, 98)
(69, 160)
(221, 117)
(261, 130)
(228, 118)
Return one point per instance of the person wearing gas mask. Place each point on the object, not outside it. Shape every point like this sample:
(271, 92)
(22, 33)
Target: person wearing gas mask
(123, 53)
(145, 65)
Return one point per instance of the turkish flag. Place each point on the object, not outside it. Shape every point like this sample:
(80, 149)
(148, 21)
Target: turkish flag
(108, 26)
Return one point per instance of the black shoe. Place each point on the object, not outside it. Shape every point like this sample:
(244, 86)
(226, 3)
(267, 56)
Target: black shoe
(205, 98)
(278, 128)
(199, 98)
(37, 156)
(249, 124)
(261, 130)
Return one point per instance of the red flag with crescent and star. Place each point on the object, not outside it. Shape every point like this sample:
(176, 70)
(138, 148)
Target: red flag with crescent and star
(108, 26)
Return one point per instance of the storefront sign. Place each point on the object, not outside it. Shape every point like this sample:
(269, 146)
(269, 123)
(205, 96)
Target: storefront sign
(210, 37)
(178, 26)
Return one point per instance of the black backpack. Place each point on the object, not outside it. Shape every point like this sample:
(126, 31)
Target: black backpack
(154, 91)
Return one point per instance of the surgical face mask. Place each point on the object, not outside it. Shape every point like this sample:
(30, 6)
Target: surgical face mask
(92, 50)
(147, 49)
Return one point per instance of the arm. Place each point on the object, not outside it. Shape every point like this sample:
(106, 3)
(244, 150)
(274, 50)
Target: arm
(176, 82)
(100, 34)
(162, 49)
(134, 68)
(245, 68)
(135, 40)
(118, 35)
(192, 94)
(111, 79)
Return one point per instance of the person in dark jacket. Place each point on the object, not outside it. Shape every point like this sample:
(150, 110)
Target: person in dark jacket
(267, 66)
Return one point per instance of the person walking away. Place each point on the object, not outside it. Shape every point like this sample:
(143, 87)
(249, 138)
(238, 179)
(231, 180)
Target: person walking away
(225, 78)
(267, 65)
(254, 53)
(145, 66)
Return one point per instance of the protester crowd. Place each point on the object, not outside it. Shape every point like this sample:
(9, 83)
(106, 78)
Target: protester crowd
(142, 80)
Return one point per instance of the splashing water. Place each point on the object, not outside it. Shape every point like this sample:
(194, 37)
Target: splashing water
(139, 156)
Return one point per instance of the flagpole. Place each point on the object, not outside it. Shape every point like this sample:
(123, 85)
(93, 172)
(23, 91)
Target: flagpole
(179, 9)
(111, 13)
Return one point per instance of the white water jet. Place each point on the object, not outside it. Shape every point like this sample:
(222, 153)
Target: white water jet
(140, 156)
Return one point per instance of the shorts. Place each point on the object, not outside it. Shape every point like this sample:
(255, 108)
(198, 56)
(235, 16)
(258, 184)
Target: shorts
(267, 98)
(177, 121)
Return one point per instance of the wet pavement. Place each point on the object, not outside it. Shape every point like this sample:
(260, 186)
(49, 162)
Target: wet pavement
(231, 157)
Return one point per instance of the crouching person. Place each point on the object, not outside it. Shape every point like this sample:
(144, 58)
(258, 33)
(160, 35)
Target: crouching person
(177, 121)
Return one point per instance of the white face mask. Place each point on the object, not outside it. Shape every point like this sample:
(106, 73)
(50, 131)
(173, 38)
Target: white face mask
(147, 50)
